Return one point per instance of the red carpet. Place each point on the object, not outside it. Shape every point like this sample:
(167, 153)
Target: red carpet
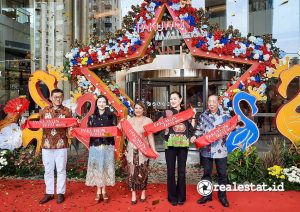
(24, 195)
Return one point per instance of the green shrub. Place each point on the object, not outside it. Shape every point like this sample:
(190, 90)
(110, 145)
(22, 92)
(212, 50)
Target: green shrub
(244, 167)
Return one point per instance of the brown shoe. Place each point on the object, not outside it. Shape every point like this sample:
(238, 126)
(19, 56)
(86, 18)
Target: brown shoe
(60, 198)
(105, 197)
(47, 198)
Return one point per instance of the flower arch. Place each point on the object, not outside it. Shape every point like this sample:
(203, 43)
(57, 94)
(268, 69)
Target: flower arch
(129, 47)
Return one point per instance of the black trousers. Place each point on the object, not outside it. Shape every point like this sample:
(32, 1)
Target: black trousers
(221, 165)
(176, 192)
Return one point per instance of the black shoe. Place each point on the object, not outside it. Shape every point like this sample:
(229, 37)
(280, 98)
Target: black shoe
(60, 198)
(204, 199)
(180, 203)
(174, 203)
(47, 198)
(143, 200)
(133, 202)
(224, 202)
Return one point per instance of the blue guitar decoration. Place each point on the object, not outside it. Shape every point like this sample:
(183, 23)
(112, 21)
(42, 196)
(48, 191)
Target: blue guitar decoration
(247, 135)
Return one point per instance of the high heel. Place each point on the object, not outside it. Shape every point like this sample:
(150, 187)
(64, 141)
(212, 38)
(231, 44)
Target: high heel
(105, 197)
(143, 200)
(98, 197)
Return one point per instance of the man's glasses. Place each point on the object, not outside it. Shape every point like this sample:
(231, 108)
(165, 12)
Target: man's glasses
(57, 97)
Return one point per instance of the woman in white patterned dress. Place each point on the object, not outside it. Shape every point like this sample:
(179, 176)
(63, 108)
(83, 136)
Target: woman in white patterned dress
(101, 167)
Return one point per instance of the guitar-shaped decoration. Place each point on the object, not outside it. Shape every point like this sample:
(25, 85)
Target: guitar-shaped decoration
(287, 117)
(247, 135)
(28, 135)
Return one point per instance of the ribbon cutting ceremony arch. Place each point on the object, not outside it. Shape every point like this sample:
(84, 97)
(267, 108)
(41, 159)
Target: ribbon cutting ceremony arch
(136, 45)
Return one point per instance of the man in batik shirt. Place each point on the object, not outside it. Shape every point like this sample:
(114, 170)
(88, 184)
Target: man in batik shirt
(217, 151)
(54, 148)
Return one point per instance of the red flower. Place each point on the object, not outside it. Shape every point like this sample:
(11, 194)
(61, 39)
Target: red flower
(121, 53)
(94, 56)
(204, 47)
(113, 55)
(264, 50)
(191, 29)
(217, 50)
(194, 41)
(130, 52)
(103, 48)
(16, 106)
(228, 48)
(217, 35)
(125, 39)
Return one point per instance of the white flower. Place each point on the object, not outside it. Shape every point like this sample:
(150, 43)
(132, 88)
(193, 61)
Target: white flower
(252, 38)
(293, 174)
(266, 57)
(256, 56)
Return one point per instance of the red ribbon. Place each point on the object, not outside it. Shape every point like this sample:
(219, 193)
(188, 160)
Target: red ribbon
(167, 122)
(51, 123)
(217, 133)
(85, 133)
(137, 140)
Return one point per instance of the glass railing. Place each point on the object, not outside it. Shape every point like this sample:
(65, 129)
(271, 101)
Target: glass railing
(20, 15)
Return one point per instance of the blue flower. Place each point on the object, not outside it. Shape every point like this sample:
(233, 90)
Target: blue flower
(74, 62)
(229, 104)
(90, 61)
(241, 86)
(282, 54)
(175, 6)
(138, 42)
(157, 3)
(224, 41)
(133, 48)
(256, 47)
(236, 52)
(170, 3)
(257, 78)
(211, 44)
(204, 26)
(200, 43)
(192, 21)
(259, 41)
(255, 51)
(261, 57)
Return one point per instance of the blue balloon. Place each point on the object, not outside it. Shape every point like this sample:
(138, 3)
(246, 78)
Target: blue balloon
(245, 136)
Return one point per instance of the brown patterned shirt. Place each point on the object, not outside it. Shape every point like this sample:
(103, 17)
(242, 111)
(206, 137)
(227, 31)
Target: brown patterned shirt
(55, 138)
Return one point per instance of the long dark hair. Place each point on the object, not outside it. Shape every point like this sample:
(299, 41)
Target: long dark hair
(96, 112)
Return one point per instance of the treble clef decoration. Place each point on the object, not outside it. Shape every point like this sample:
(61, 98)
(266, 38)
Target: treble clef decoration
(247, 135)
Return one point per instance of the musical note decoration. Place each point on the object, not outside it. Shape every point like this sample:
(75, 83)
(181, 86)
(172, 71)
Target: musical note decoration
(287, 116)
(245, 136)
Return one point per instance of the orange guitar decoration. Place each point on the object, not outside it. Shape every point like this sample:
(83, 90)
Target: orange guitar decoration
(287, 117)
